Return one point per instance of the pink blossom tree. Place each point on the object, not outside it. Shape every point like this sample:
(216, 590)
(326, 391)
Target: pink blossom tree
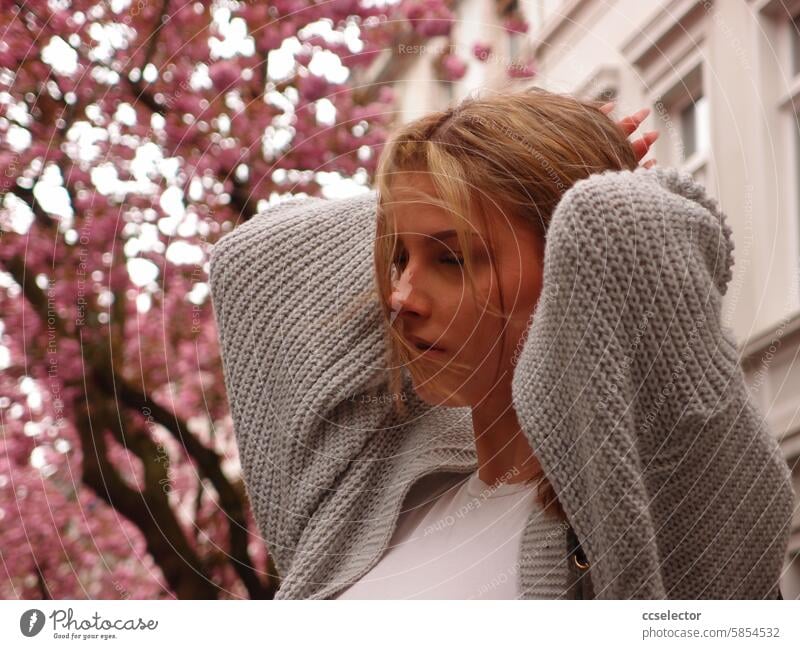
(133, 134)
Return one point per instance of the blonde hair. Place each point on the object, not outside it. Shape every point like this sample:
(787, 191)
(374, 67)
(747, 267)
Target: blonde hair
(518, 151)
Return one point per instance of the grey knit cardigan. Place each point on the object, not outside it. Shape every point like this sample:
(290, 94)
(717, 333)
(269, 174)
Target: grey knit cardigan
(627, 387)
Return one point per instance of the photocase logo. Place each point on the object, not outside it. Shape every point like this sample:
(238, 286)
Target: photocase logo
(31, 622)
(68, 627)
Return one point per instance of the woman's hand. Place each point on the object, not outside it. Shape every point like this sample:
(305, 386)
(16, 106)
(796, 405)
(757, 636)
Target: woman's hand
(629, 125)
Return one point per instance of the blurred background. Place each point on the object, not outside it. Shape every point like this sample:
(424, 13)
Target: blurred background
(135, 133)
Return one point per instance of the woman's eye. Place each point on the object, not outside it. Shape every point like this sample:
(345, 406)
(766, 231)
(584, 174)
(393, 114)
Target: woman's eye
(400, 261)
(455, 260)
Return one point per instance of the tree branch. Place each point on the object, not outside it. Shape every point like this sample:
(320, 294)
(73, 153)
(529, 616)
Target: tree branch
(209, 463)
(164, 538)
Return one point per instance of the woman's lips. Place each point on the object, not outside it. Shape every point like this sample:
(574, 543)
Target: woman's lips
(423, 345)
(431, 351)
(423, 350)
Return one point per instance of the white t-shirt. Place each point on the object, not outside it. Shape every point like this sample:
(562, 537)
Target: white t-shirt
(459, 538)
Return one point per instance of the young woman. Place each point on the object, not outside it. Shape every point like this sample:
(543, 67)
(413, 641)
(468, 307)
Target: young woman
(547, 420)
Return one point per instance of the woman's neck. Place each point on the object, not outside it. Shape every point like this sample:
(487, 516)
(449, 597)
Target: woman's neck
(504, 453)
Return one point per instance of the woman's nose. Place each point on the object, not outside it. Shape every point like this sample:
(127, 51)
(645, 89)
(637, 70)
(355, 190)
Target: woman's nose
(407, 296)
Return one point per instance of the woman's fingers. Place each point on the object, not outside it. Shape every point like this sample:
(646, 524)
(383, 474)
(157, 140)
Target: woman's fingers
(627, 124)
(631, 123)
(643, 144)
(649, 163)
(607, 108)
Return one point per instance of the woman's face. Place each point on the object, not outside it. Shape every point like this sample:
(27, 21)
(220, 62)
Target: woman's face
(432, 302)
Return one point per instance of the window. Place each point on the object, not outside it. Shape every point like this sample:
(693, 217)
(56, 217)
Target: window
(684, 112)
(671, 54)
(784, 25)
(796, 144)
(794, 44)
(779, 86)
(791, 105)
(695, 127)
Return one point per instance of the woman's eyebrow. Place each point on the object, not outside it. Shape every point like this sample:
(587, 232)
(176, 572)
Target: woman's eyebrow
(444, 235)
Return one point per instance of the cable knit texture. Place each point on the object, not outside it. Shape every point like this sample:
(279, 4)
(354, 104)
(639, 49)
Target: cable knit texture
(627, 387)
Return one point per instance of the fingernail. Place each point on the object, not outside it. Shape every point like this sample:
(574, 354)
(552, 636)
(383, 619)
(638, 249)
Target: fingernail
(652, 135)
(642, 113)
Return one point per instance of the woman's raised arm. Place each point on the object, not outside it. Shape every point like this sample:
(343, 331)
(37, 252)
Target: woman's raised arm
(300, 341)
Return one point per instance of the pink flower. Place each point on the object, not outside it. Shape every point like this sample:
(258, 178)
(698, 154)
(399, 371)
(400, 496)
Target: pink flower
(255, 14)
(9, 57)
(362, 58)
(188, 103)
(429, 17)
(313, 87)
(516, 24)
(521, 70)
(453, 67)
(303, 58)
(223, 74)
(481, 51)
(59, 22)
(268, 38)
(229, 159)
(386, 94)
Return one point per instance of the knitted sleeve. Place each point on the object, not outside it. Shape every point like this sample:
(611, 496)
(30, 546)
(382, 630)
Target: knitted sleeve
(629, 389)
(300, 340)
